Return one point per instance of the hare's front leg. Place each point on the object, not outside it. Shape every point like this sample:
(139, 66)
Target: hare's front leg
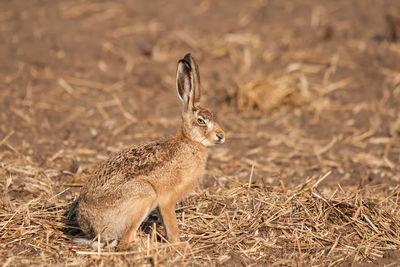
(167, 209)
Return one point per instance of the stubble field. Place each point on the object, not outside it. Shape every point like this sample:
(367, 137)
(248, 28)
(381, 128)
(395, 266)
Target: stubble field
(308, 93)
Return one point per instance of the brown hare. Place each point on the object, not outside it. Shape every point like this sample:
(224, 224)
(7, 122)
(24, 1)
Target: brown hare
(125, 188)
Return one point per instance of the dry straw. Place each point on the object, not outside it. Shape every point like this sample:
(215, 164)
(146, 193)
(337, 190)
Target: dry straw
(268, 92)
(241, 223)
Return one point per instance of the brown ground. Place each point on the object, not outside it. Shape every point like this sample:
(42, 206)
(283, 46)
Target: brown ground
(302, 88)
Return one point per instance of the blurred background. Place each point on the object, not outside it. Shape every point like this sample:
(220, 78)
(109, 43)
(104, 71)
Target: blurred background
(301, 88)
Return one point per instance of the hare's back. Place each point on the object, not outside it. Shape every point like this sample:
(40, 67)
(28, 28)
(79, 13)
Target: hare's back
(135, 161)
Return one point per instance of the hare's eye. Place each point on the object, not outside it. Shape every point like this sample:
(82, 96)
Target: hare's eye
(201, 121)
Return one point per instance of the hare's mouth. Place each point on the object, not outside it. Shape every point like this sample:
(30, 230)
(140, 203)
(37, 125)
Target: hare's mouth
(220, 139)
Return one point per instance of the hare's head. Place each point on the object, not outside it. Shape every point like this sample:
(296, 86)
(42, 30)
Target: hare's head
(198, 124)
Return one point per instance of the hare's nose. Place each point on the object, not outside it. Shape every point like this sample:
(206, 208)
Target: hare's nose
(221, 137)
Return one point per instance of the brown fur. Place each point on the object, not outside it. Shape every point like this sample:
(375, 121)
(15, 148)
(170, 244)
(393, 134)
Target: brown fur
(122, 190)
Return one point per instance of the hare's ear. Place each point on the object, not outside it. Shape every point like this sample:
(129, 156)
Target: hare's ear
(196, 77)
(184, 84)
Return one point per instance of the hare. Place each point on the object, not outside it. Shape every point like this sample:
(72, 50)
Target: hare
(125, 188)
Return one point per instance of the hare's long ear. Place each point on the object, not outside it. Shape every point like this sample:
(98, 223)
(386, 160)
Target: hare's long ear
(196, 77)
(184, 84)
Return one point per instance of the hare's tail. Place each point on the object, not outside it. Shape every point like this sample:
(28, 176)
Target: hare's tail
(70, 214)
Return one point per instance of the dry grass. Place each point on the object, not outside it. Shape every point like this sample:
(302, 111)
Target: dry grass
(272, 91)
(236, 223)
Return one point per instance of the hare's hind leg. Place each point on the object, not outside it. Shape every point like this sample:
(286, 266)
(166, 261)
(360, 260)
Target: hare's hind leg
(140, 207)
